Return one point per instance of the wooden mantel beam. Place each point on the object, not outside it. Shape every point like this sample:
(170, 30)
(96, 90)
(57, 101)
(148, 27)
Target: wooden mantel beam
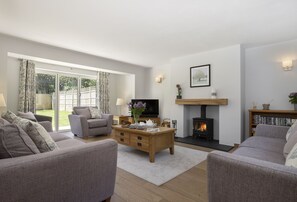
(202, 101)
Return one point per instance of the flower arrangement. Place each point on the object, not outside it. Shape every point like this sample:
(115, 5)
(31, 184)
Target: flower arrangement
(293, 98)
(137, 109)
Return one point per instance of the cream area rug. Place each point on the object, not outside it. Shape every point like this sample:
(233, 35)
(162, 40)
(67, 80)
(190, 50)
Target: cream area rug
(166, 166)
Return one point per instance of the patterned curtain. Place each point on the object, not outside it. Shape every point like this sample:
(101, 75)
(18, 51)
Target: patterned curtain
(27, 87)
(103, 92)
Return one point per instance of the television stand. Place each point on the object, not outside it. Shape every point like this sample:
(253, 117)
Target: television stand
(141, 119)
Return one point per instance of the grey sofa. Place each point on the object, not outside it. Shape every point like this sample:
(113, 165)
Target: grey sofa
(77, 171)
(82, 125)
(255, 171)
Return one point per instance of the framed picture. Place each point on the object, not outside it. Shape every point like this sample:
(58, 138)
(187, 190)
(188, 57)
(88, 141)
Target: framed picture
(200, 76)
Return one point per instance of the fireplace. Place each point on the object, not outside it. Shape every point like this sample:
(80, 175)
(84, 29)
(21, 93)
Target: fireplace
(202, 126)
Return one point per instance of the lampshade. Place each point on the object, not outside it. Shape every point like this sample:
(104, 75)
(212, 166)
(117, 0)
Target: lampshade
(287, 65)
(120, 101)
(2, 101)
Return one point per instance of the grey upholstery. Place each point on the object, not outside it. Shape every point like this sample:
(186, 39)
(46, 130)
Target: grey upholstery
(255, 172)
(76, 172)
(83, 126)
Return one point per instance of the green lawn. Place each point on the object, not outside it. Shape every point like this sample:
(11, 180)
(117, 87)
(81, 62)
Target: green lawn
(63, 116)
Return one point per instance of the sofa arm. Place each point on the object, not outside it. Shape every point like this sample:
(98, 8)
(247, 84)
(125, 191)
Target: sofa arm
(83, 173)
(237, 178)
(79, 125)
(271, 131)
(109, 118)
(40, 118)
(47, 125)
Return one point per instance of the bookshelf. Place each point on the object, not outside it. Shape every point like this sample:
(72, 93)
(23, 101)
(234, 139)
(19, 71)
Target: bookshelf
(271, 117)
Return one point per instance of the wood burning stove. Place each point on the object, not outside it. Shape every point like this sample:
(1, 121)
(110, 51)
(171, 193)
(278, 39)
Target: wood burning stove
(202, 126)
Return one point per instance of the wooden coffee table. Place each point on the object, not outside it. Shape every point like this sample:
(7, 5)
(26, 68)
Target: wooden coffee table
(150, 142)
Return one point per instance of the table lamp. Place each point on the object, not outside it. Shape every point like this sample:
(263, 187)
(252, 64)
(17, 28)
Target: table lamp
(2, 102)
(120, 102)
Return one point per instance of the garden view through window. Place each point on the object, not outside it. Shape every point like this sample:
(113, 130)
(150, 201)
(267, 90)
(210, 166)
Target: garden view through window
(59, 102)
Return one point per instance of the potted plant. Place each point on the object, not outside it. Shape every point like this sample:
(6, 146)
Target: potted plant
(293, 99)
(136, 110)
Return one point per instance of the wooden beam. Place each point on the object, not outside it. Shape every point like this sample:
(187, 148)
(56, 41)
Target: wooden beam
(203, 101)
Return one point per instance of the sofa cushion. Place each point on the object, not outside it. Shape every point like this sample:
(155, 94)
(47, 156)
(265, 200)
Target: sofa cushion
(291, 130)
(261, 154)
(40, 137)
(95, 113)
(37, 133)
(96, 123)
(58, 136)
(69, 143)
(9, 116)
(265, 143)
(27, 115)
(291, 159)
(15, 142)
(290, 144)
(83, 111)
(3, 122)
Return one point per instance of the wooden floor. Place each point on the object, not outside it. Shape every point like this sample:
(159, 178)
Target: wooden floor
(189, 186)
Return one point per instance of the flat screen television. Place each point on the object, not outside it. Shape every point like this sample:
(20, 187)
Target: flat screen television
(152, 107)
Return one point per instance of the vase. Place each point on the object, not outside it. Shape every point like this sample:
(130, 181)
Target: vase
(136, 118)
(295, 107)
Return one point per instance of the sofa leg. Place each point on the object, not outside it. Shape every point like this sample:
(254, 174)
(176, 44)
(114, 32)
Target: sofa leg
(107, 200)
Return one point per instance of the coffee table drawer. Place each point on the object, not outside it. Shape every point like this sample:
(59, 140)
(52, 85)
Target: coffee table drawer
(123, 140)
(139, 138)
(122, 134)
(140, 145)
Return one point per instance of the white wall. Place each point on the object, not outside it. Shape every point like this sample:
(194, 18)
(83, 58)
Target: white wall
(226, 76)
(25, 47)
(265, 79)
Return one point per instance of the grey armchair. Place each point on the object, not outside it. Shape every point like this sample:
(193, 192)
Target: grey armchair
(82, 125)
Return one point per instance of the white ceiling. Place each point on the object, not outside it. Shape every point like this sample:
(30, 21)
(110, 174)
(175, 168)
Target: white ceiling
(149, 32)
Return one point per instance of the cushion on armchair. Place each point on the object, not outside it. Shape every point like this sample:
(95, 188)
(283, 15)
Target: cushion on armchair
(96, 123)
(95, 113)
(83, 111)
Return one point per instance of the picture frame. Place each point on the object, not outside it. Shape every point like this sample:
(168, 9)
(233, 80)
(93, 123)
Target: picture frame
(200, 76)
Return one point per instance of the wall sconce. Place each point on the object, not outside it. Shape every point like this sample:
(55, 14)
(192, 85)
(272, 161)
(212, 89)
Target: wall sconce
(287, 65)
(159, 79)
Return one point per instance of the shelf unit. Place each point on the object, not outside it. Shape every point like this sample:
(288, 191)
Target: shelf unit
(271, 117)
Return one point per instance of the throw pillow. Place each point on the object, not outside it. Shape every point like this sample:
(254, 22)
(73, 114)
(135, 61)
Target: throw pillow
(37, 133)
(84, 112)
(291, 159)
(14, 142)
(27, 115)
(95, 113)
(3, 122)
(40, 137)
(23, 123)
(290, 144)
(9, 116)
(291, 130)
